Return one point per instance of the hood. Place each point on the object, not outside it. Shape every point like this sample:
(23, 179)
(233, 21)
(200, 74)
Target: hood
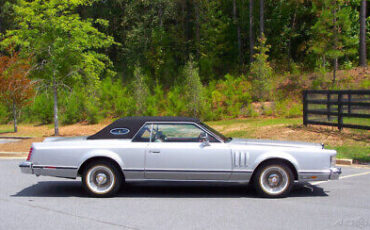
(276, 143)
(53, 139)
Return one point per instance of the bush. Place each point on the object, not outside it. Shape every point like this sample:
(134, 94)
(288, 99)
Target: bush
(5, 115)
(73, 109)
(115, 100)
(40, 110)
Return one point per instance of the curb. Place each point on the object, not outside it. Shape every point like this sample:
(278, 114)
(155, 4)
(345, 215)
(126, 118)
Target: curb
(344, 161)
(21, 138)
(13, 154)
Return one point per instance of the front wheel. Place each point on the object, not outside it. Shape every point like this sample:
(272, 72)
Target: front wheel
(274, 180)
(101, 179)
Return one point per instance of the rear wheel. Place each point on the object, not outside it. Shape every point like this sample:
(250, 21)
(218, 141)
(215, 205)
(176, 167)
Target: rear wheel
(102, 179)
(274, 180)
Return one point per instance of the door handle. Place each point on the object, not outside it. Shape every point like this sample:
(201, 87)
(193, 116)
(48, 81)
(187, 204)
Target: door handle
(154, 151)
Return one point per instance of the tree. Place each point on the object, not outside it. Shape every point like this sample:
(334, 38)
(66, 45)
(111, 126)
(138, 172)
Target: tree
(141, 91)
(236, 22)
(61, 44)
(193, 89)
(332, 32)
(363, 59)
(15, 88)
(261, 71)
(251, 35)
(262, 20)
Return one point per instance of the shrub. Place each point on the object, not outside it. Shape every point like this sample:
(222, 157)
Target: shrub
(4, 114)
(194, 94)
(261, 72)
(41, 109)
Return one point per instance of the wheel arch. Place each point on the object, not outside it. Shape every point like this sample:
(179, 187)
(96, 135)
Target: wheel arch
(276, 160)
(113, 158)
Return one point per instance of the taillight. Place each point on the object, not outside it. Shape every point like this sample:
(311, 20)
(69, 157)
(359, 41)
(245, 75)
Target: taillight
(29, 154)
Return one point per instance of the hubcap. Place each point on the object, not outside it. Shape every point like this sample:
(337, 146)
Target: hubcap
(100, 179)
(274, 180)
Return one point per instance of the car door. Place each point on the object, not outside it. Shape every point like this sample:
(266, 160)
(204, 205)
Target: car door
(176, 153)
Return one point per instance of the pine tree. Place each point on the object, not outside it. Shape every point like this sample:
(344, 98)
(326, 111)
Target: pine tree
(194, 89)
(261, 71)
(141, 91)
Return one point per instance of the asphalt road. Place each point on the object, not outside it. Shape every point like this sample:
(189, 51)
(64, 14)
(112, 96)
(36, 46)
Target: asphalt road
(30, 202)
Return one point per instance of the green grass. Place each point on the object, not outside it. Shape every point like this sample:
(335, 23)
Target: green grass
(258, 122)
(6, 130)
(360, 153)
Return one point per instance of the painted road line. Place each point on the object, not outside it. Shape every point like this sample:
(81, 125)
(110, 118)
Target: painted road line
(343, 177)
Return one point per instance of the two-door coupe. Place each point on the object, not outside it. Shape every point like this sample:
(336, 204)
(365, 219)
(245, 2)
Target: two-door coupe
(144, 149)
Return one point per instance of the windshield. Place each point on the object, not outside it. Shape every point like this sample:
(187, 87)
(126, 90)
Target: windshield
(225, 139)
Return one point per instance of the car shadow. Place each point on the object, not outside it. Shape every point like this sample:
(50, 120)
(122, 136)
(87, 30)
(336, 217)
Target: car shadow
(161, 190)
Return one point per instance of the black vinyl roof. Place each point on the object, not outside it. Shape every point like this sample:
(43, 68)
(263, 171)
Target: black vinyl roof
(133, 124)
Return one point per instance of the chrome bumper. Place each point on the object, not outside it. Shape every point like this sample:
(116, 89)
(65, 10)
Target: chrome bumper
(334, 173)
(26, 167)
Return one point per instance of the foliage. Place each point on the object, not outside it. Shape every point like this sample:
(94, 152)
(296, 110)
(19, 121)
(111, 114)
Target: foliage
(261, 72)
(15, 88)
(61, 46)
(333, 36)
(193, 89)
(141, 92)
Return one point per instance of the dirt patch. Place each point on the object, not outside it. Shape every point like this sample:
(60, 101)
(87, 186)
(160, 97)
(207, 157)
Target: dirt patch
(19, 146)
(317, 134)
(39, 132)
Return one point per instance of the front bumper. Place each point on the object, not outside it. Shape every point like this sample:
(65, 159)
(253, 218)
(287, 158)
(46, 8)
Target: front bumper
(334, 173)
(26, 167)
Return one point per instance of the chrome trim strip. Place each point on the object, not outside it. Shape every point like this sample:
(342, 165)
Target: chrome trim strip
(51, 166)
(169, 180)
(190, 171)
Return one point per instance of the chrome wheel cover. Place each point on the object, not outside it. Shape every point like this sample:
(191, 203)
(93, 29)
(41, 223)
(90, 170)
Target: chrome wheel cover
(274, 180)
(100, 179)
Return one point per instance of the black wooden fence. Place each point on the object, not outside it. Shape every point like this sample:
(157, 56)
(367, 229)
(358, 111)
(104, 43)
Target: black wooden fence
(340, 108)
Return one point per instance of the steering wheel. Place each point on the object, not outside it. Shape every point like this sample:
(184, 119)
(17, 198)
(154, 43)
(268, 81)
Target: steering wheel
(159, 136)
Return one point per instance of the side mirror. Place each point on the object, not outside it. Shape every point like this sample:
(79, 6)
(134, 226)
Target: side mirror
(203, 137)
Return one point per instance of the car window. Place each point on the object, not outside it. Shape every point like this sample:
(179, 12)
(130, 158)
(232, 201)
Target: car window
(176, 133)
(143, 135)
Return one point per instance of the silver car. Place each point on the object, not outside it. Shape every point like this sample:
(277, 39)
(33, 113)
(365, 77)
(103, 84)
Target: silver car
(142, 149)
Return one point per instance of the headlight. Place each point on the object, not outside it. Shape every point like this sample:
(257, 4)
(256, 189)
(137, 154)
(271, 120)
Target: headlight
(332, 161)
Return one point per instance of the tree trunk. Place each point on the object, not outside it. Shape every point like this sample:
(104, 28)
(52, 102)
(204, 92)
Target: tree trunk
(251, 37)
(363, 58)
(291, 33)
(236, 22)
(262, 21)
(15, 117)
(197, 28)
(55, 92)
(335, 66)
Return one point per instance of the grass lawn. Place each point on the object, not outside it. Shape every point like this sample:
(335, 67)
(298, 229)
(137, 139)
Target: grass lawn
(349, 143)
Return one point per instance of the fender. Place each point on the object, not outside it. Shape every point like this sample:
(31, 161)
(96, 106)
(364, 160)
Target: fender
(271, 155)
(101, 153)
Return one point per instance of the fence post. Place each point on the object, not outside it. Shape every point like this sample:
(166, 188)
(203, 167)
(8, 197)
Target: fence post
(305, 106)
(340, 111)
(328, 105)
(349, 103)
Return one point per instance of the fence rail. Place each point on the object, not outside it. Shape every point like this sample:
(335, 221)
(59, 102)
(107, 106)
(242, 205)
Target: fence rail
(336, 105)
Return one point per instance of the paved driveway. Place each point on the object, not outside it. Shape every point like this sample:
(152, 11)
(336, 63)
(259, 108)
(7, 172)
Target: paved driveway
(29, 202)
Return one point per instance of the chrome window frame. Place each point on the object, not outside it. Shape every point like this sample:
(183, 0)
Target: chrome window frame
(217, 138)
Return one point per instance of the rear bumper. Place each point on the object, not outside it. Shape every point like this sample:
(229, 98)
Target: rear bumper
(26, 167)
(335, 173)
